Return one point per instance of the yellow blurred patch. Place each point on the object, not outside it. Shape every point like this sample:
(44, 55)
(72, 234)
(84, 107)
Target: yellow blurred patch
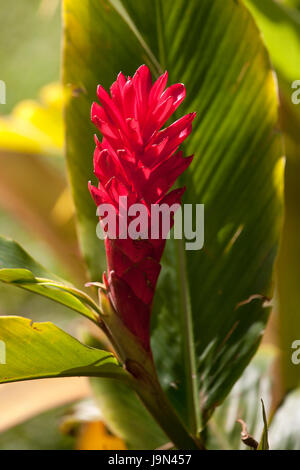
(94, 436)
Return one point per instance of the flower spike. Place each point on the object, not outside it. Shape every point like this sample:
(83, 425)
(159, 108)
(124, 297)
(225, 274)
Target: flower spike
(137, 159)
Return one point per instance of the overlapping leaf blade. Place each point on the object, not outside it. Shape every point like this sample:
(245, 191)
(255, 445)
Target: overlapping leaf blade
(120, 407)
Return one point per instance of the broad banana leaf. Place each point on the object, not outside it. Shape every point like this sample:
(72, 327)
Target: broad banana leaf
(281, 31)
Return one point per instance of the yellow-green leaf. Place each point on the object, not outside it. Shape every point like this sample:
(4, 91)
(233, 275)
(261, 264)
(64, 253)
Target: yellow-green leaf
(38, 350)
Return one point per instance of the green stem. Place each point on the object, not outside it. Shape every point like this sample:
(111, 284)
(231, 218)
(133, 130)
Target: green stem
(189, 350)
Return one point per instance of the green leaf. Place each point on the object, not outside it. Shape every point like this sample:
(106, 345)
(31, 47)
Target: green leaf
(243, 402)
(209, 312)
(264, 442)
(40, 350)
(13, 256)
(18, 268)
(237, 173)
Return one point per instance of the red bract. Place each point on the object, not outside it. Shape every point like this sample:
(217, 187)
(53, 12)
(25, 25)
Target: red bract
(138, 160)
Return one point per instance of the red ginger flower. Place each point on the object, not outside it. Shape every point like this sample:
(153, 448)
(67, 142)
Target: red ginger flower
(138, 160)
